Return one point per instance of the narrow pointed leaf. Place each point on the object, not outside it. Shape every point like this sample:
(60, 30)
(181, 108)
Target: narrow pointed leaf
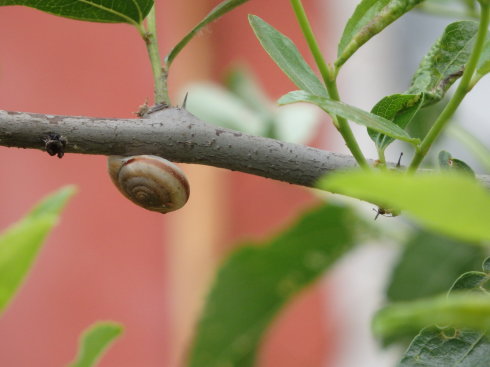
(398, 108)
(369, 18)
(20, 243)
(94, 342)
(256, 281)
(104, 11)
(351, 113)
(217, 12)
(445, 62)
(451, 204)
(286, 55)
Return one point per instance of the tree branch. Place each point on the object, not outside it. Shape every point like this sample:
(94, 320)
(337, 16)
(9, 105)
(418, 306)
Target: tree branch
(176, 135)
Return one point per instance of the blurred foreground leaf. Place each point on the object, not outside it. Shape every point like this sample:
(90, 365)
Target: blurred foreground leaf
(243, 106)
(256, 281)
(459, 310)
(104, 11)
(20, 243)
(453, 204)
(94, 341)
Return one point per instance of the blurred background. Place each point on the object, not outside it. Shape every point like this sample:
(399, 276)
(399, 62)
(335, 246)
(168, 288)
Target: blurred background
(110, 260)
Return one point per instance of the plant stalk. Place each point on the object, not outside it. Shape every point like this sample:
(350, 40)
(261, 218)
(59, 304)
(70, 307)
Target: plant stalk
(329, 79)
(159, 74)
(463, 88)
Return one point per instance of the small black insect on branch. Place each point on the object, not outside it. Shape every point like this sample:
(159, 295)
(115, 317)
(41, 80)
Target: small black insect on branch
(55, 144)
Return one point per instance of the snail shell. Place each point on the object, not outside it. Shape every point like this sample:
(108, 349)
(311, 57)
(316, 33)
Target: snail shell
(150, 182)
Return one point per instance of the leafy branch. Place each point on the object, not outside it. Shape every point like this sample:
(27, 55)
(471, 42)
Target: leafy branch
(461, 91)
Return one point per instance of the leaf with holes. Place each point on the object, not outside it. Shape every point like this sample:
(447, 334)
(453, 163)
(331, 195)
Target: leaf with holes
(369, 18)
(447, 346)
(104, 11)
(445, 62)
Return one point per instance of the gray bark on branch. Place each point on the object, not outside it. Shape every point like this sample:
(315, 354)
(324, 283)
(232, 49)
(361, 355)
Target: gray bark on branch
(178, 136)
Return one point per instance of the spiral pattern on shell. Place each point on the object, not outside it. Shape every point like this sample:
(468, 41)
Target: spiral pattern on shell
(149, 181)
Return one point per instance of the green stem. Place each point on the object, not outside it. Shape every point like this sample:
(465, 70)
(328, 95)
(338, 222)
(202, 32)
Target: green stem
(159, 74)
(461, 91)
(310, 39)
(329, 78)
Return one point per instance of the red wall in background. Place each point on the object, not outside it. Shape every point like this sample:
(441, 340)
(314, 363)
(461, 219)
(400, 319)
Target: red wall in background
(108, 259)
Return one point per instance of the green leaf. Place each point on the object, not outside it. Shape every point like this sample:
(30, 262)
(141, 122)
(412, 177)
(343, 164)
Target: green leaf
(484, 62)
(465, 310)
(448, 163)
(354, 114)
(445, 62)
(297, 123)
(429, 264)
(369, 18)
(449, 203)
(443, 347)
(244, 85)
(286, 55)
(427, 267)
(94, 342)
(104, 11)
(20, 243)
(470, 281)
(474, 145)
(218, 106)
(217, 12)
(256, 281)
(399, 108)
(486, 265)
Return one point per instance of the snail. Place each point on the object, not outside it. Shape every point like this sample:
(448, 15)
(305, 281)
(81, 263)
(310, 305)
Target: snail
(150, 181)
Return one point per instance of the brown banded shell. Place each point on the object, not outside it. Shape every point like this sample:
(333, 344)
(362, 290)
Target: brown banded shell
(149, 181)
